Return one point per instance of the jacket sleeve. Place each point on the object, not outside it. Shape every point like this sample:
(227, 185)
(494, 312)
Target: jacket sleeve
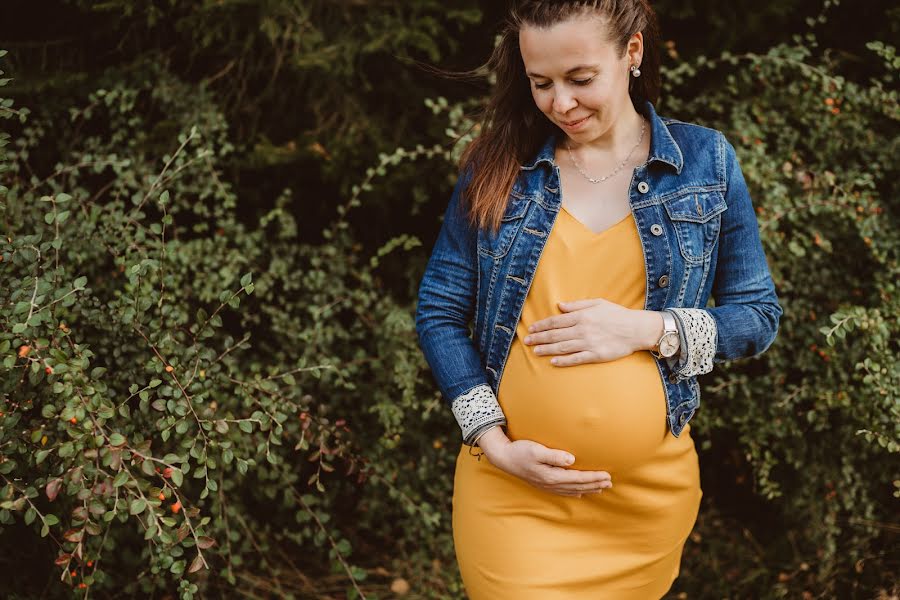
(745, 318)
(445, 307)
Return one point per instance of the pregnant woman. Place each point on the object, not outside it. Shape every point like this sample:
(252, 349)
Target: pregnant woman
(582, 243)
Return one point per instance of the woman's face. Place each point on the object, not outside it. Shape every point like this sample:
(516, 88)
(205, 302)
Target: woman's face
(578, 80)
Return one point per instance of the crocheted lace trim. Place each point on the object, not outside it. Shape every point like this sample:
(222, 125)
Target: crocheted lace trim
(698, 341)
(476, 411)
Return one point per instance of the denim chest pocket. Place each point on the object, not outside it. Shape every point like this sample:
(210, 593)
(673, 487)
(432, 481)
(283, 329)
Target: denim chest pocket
(697, 218)
(497, 244)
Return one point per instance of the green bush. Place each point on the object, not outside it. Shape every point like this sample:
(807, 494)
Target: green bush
(182, 392)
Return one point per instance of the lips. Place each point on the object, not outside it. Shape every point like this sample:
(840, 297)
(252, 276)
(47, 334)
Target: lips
(573, 123)
(576, 125)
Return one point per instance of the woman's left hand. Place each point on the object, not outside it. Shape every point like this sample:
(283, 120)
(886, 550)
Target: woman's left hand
(594, 330)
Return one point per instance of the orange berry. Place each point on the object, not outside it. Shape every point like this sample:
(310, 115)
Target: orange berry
(48, 370)
(82, 585)
(167, 472)
(24, 350)
(161, 496)
(90, 563)
(176, 507)
(169, 368)
(73, 420)
(829, 101)
(835, 110)
(74, 573)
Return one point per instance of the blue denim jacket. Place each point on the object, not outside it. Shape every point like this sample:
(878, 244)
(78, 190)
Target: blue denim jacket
(700, 239)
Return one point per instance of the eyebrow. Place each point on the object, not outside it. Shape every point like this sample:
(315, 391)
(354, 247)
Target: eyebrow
(569, 72)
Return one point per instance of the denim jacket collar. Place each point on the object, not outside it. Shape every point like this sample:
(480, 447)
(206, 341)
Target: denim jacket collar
(663, 147)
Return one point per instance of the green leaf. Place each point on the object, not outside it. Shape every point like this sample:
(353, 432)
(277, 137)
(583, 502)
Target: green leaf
(246, 279)
(117, 439)
(177, 477)
(246, 426)
(137, 506)
(120, 479)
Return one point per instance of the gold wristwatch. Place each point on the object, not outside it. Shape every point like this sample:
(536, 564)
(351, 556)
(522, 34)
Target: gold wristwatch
(669, 342)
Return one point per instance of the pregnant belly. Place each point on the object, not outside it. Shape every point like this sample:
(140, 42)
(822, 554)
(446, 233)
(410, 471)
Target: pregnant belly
(611, 416)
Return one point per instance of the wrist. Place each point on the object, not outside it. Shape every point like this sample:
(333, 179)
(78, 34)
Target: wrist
(649, 328)
(493, 440)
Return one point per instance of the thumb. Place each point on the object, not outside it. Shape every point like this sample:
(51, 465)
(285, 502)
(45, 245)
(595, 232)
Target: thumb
(559, 458)
(579, 304)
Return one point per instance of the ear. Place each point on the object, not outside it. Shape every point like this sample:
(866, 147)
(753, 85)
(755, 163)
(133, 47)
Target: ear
(635, 49)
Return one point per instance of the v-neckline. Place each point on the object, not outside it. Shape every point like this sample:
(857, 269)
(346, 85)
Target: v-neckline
(591, 231)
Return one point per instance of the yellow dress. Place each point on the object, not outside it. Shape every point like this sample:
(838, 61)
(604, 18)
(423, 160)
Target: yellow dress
(514, 541)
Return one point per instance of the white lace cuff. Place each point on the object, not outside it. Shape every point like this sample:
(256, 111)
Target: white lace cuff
(476, 411)
(698, 333)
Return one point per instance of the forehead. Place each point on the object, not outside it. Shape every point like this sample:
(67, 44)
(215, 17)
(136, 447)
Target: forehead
(556, 49)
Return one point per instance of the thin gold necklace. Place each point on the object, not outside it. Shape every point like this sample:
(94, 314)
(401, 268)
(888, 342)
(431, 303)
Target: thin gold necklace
(621, 165)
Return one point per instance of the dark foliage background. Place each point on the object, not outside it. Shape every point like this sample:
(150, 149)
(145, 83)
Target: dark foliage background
(214, 218)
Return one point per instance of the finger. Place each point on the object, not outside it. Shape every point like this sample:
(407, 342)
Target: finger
(579, 304)
(584, 487)
(551, 335)
(575, 476)
(556, 458)
(566, 347)
(554, 322)
(570, 360)
(564, 493)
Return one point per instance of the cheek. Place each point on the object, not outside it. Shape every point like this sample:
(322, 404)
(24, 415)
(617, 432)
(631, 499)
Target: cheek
(544, 102)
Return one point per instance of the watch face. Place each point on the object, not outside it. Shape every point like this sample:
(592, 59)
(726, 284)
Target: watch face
(668, 346)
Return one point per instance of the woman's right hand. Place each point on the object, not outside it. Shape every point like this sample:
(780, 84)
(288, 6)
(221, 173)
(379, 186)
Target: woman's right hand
(542, 467)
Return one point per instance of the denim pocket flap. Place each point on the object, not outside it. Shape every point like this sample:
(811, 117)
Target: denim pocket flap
(697, 207)
(516, 208)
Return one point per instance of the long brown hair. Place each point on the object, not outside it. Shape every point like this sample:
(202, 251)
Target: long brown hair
(512, 127)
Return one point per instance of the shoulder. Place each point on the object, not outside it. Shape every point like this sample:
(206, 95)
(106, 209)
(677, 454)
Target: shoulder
(705, 149)
(694, 133)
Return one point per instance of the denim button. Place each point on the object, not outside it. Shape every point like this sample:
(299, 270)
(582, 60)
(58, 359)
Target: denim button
(643, 187)
(673, 378)
(656, 229)
(664, 281)
(683, 418)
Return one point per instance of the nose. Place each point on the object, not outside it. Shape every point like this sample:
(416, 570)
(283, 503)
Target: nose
(563, 102)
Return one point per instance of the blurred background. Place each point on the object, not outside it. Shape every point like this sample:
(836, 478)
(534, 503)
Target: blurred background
(214, 219)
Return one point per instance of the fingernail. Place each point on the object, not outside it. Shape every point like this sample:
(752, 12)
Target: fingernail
(570, 459)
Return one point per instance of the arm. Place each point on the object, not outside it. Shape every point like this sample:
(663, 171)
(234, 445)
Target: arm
(446, 305)
(745, 319)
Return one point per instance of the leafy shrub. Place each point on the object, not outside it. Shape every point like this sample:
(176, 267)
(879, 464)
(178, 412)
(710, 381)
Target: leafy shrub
(144, 427)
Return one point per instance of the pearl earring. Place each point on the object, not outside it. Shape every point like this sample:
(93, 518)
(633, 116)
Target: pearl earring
(635, 71)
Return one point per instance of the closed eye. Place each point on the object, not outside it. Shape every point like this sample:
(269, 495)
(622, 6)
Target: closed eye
(544, 86)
